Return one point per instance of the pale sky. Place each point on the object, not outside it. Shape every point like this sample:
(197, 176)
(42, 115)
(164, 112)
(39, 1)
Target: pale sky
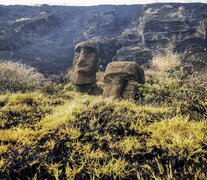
(89, 2)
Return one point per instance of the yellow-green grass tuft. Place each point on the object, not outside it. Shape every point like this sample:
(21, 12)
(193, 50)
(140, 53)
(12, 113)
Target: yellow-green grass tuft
(62, 134)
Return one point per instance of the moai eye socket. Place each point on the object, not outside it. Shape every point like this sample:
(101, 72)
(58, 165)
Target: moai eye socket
(89, 49)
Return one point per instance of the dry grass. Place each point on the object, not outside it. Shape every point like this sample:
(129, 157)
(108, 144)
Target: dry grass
(15, 76)
(163, 63)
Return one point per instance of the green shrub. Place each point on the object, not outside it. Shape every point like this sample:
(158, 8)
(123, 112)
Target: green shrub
(167, 88)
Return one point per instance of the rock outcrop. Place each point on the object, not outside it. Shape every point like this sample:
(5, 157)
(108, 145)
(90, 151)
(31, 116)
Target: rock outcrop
(45, 36)
(196, 58)
(122, 79)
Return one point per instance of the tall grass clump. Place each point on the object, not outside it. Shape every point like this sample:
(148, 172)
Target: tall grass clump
(163, 63)
(16, 76)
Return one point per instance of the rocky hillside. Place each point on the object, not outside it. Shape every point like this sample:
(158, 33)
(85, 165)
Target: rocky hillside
(45, 36)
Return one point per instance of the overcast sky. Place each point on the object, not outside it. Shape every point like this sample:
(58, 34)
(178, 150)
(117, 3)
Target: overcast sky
(88, 2)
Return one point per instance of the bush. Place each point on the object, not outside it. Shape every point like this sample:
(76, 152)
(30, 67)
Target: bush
(188, 95)
(15, 76)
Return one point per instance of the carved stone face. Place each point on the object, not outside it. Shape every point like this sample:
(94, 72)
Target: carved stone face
(85, 63)
(122, 79)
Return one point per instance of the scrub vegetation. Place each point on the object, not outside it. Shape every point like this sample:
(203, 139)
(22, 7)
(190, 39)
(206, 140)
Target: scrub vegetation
(49, 131)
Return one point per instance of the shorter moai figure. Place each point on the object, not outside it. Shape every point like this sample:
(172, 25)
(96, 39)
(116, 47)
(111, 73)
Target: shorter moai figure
(122, 79)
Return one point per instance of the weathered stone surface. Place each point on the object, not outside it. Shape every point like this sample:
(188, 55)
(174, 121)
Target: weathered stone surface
(196, 58)
(130, 90)
(138, 55)
(91, 89)
(83, 72)
(85, 63)
(45, 36)
(122, 79)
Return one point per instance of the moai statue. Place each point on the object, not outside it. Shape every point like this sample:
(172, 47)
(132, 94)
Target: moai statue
(122, 79)
(85, 65)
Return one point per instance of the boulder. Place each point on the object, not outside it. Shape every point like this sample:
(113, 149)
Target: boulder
(83, 73)
(122, 79)
(139, 55)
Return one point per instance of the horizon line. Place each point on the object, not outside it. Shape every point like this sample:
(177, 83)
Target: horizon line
(102, 4)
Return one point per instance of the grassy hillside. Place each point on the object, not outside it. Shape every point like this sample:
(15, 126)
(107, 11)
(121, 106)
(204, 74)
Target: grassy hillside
(52, 132)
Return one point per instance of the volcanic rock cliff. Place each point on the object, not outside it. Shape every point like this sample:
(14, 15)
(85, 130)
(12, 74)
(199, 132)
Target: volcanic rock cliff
(45, 36)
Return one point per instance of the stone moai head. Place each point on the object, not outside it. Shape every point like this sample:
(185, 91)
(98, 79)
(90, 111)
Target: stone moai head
(122, 78)
(83, 73)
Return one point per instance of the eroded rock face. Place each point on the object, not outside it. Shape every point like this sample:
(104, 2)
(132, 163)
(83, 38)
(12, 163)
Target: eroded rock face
(139, 55)
(44, 36)
(83, 73)
(122, 78)
(196, 58)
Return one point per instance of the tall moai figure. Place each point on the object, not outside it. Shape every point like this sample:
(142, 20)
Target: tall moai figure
(85, 65)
